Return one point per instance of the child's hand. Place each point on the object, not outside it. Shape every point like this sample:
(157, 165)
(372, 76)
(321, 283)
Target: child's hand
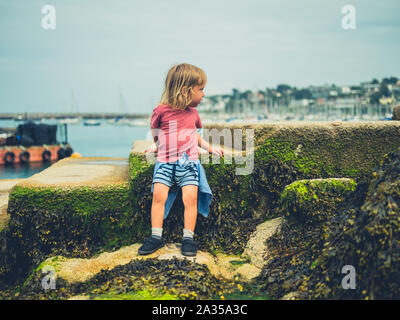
(218, 151)
(151, 149)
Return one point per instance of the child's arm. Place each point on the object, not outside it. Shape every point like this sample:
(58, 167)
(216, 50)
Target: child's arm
(204, 144)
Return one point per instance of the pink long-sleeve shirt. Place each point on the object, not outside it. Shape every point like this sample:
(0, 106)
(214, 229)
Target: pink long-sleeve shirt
(177, 132)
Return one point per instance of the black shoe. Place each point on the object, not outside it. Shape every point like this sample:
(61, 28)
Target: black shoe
(189, 247)
(150, 245)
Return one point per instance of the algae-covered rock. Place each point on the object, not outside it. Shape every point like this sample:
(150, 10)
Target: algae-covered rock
(256, 250)
(147, 278)
(77, 270)
(308, 206)
(367, 238)
(316, 260)
(315, 200)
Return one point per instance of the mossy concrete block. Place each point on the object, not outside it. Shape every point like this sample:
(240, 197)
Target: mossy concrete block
(315, 200)
(322, 149)
(77, 207)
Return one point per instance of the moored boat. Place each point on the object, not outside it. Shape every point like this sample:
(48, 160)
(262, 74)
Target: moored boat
(92, 123)
(32, 142)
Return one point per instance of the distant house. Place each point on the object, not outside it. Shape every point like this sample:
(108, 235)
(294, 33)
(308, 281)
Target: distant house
(320, 102)
(345, 90)
(300, 102)
(370, 87)
(319, 92)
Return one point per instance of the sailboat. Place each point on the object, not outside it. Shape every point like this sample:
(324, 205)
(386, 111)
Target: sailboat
(139, 122)
(120, 120)
(92, 123)
(73, 109)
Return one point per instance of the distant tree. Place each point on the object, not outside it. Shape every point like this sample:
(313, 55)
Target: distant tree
(303, 94)
(282, 88)
(374, 98)
(393, 80)
(245, 94)
(375, 81)
(384, 90)
(235, 93)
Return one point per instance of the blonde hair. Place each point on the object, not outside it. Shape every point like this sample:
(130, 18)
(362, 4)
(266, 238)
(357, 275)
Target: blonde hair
(179, 76)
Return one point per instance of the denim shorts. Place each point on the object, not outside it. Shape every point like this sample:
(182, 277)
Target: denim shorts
(172, 174)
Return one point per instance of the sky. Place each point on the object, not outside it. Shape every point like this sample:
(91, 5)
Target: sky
(101, 49)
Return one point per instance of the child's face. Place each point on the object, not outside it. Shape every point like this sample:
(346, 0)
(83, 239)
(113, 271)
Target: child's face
(197, 95)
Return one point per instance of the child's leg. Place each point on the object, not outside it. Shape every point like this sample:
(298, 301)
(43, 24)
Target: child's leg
(189, 198)
(160, 195)
(153, 243)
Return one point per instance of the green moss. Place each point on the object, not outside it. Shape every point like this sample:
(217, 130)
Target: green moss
(238, 263)
(306, 190)
(316, 199)
(302, 157)
(79, 201)
(53, 262)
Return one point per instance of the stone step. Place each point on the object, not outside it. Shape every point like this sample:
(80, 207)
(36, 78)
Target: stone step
(77, 172)
(76, 270)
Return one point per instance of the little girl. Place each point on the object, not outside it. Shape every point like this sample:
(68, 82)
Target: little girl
(173, 125)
